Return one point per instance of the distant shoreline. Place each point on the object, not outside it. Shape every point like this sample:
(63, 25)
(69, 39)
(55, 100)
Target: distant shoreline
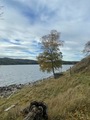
(10, 61)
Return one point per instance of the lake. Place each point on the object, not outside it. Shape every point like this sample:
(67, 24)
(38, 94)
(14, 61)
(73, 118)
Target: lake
(21, 74)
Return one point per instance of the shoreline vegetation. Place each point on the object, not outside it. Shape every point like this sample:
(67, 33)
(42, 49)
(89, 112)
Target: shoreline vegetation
(67, 97)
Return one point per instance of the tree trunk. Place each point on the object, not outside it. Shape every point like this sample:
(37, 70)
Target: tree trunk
(53, 68)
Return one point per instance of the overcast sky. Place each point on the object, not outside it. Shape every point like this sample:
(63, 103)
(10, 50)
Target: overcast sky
(24, 22)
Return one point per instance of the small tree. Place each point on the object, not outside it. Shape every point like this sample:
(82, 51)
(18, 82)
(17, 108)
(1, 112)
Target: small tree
(87, 48)
(51, 57)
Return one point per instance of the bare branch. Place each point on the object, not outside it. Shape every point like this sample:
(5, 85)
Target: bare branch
(87, 48)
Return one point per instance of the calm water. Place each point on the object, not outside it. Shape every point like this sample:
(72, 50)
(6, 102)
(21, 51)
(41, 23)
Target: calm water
(20, 74)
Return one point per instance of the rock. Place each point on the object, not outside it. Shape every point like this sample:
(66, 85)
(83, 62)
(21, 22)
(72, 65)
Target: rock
(8, 90)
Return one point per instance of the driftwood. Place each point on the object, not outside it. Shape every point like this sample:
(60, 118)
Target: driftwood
(12, 106)
(36, 111)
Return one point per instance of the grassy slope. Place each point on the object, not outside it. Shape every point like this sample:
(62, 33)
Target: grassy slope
(68, 98)
(83, 66)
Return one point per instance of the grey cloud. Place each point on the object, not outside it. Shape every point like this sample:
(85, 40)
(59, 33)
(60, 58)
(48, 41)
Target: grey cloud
(70, 17)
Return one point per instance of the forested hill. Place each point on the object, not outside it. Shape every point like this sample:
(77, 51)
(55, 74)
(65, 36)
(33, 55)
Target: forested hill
(10, 61)
(69, 62)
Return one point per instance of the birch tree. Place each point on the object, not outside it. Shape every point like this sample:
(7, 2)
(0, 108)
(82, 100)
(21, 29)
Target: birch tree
(51, 57)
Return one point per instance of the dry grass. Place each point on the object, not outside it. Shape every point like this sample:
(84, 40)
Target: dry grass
(83, 66)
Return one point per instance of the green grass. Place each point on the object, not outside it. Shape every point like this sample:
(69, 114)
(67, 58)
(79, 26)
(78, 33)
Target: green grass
(68, 98)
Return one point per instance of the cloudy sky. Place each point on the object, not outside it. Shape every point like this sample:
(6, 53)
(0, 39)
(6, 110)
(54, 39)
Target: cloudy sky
(24, 22)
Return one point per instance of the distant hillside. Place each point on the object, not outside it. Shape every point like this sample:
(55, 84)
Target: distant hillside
(10, 61)
(69, 62)
(83, 66)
